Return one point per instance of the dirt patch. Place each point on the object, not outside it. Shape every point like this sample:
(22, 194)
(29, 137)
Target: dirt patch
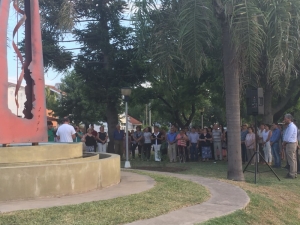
(161, 169)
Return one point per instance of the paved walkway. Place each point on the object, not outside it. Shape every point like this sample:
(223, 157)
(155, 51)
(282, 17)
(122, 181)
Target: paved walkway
(131, 183)
(225, 199)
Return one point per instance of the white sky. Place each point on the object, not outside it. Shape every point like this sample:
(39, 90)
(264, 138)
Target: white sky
(51, 77)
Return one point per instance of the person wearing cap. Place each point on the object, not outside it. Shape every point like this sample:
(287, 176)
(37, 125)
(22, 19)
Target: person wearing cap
(290, 145)
(66, 132)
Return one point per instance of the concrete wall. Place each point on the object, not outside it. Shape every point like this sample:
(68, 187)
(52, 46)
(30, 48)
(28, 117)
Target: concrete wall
(47, 152)
(46, 180)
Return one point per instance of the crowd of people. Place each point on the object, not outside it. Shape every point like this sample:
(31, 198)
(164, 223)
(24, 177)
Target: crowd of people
(275, 142)
(179, 145)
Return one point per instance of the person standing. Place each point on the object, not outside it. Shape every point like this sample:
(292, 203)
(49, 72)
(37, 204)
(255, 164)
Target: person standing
(66, 132)
(94, 133)
(147, 142)
(290, 145)
(266, 143)
(181, 144)
(156, 141)
(224, 142)
(118, 140)
(217, 139)
(209, 131)
(244, 133)
(102, 140)
(79, 134)
(260, 140)
(187, 148)
(205, 139)
(250, 144)
(51, 134)
(89, 140)
(274, 142)
(137, 142)
(171, 139)
(129, 144)
(194, 139)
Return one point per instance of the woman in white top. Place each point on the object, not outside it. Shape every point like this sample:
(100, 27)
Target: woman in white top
(266, 135)
(147, 142)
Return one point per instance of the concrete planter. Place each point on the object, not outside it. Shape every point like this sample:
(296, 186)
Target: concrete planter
(58, 176)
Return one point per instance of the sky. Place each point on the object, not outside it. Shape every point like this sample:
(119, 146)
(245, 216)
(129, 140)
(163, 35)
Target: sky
(51, 77)
(14, 69)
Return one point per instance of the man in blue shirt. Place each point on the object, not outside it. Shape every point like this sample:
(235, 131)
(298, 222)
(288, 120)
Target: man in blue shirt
(194, 139)
(118, 140)
(274, 141)
(171, 139)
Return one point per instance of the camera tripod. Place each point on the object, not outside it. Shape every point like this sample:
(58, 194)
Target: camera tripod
(256, 154)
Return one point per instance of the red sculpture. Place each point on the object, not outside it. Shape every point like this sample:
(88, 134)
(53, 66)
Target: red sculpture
(32, 128)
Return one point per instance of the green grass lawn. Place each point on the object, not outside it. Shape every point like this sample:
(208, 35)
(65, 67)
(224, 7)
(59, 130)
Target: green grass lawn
(272, 201)
(168, 194)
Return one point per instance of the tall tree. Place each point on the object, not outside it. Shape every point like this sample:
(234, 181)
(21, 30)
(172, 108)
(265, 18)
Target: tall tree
(75, 102)
(107, 61)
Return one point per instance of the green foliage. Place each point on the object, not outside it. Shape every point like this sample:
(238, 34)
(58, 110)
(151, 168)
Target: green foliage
(178, 37)
(75, 102)
(173, 39)
(51, 99)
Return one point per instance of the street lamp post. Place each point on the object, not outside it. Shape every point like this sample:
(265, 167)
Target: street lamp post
(202, 112)
(126, 92)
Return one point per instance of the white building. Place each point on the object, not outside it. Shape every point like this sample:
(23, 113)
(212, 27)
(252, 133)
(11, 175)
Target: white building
(11, 99)
(21, 97)
(132, 122)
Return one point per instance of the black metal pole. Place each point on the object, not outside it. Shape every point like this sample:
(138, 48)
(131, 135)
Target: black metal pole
(257, 150)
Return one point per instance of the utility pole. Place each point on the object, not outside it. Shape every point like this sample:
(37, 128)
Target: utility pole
(150, 114)
(146, 113)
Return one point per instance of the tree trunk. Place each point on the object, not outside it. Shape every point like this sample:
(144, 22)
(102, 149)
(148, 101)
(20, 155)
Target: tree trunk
(232, 89)
(268, 114)
(112, 121)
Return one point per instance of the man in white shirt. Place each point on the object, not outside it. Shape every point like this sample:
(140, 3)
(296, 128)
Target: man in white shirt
(66, 132)
(290, 144)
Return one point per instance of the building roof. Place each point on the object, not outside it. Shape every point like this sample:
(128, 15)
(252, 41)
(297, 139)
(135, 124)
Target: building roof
(134, 121)
(54, 89)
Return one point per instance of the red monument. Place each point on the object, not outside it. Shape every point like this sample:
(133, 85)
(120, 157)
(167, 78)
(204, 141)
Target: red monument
(32, 127)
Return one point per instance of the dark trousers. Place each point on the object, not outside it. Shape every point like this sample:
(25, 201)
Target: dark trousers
(147, 150)
(212, 152)
(194, 152)
(119, 147)
(133, 150)
(261, 151)
(244, 153)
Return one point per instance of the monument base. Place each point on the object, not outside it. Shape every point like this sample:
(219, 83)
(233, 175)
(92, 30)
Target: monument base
(68, 175)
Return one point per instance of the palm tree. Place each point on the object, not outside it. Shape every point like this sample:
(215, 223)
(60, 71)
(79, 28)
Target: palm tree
(280, 54)
(180, 34)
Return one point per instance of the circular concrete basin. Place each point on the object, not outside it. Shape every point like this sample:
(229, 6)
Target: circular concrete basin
(28, 172)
